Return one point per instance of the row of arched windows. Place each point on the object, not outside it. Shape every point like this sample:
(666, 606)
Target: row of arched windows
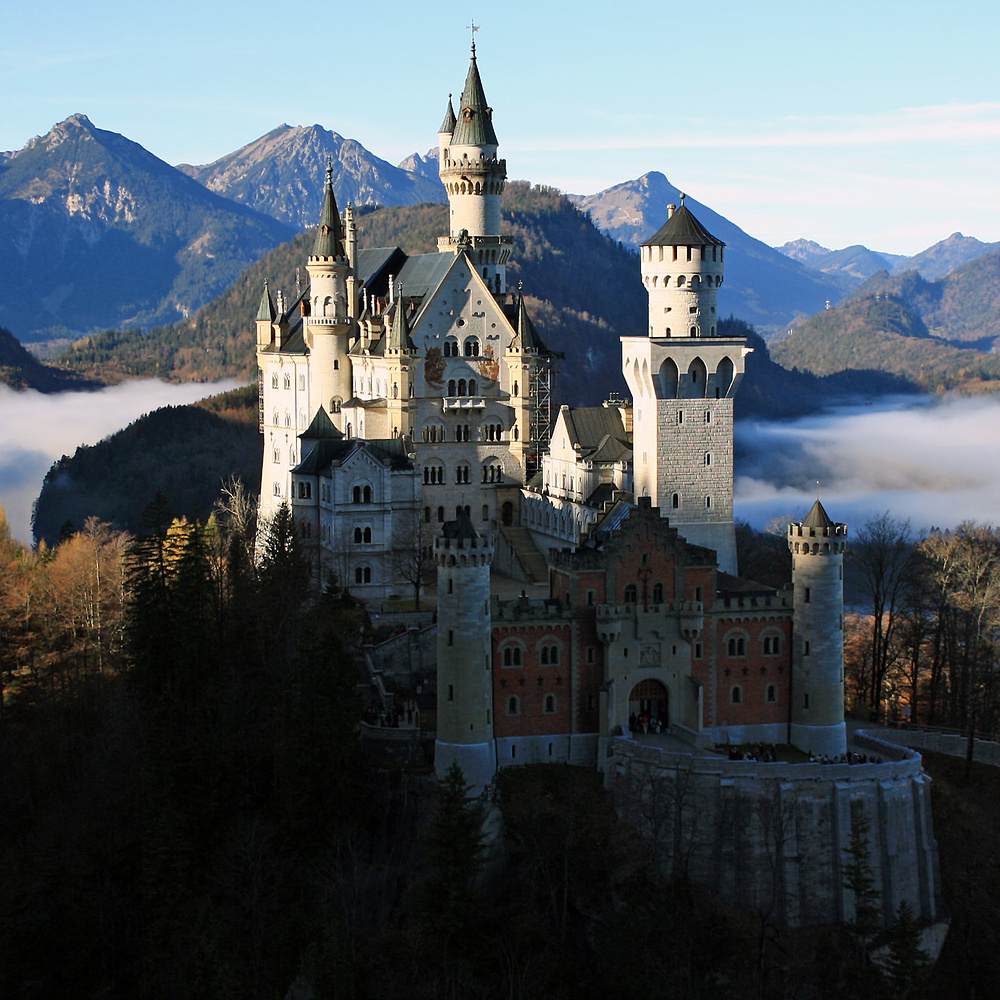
(548, 704)
(736, 645)
(470, 349)
(461, 387)
(463, 432)
(736, 694)
(514, 652)
(630, 594)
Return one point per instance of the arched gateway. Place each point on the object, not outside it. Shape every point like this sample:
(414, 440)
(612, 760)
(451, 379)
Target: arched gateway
(649, 699)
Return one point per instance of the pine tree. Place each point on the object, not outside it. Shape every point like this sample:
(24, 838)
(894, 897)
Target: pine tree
(859, 879)
(907, 965)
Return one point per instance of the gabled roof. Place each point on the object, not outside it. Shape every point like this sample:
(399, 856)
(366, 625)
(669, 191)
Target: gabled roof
(423, 273)
(475, 118)
(682, 229)
(392, 451)
(448, 125)
(598, 432)
(330, 237)
(373, 267)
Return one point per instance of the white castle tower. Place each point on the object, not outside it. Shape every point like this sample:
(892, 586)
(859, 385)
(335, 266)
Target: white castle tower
(327, 321)
(474, 178)
(683, 378)
(464, 662)
(817, 545)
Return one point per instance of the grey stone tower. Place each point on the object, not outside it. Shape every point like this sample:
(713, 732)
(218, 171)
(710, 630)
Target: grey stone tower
(817, 545)
(683, 378)
(474, 178)
(464, 668)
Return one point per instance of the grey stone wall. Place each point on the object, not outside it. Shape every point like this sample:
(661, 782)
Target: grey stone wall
(773, 836)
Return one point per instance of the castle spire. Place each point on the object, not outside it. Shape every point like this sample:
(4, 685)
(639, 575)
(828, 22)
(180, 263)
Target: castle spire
(329, 238)
(448, 125)
(265, 311)
(475, 116)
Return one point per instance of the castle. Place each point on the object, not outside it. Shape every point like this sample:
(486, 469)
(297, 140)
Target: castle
(404, 404)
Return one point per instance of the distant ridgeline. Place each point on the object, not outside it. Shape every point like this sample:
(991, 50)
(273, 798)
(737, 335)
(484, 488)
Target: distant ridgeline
(184, 451)
(929, 334)
(21, 370)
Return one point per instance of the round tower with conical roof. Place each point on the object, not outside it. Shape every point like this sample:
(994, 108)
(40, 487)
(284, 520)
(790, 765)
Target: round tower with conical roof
(817, 545)
(464, 668)
(683, 378)
(474, 178)
(327, 325)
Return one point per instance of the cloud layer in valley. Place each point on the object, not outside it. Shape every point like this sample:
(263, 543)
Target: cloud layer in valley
(934, 462)
(36, 430)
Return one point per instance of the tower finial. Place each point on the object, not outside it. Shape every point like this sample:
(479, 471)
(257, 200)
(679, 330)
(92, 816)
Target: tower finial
(329, 172)
(474, 27)
(683, 196)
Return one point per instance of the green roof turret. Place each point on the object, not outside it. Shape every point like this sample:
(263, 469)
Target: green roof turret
(448, 125)
(266, 312)
(475, 117)
(329, 238)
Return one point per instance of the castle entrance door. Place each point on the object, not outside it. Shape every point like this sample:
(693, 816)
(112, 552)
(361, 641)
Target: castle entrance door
(648, 707)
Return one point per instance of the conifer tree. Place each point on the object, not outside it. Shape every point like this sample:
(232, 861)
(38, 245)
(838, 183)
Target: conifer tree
(907, 965)
(859, 879)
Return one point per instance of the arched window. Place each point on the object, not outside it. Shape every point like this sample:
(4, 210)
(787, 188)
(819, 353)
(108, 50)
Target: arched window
(630, 593)
(357, 536)
(440, 513)
(736, 645)
(516, 393)
(472, 347)
(451, 387)
(357, 494)
(736, 695)
(451, 348)
(708, 458)
(513, 705)
(395, 391)
(427, 515)
(461, 387)
(657, 593)
(675, 501)
(287, 381)
(512, 656)
(274, 380)
(472, 387)
(336, 364)
(771, 695)
(367, 494)
(549, 705)
(549, 655)
(462, 473)
(363, 574)
(335, 404)
(305, 491)
(772, 645)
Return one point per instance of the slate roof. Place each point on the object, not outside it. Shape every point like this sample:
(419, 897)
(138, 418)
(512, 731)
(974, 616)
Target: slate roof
(395, 451)
(598, 432)
(682, 229)
(423, 272)
(329, 237)
(475, 118)
(818, 518)
(266, 310)
(322, 427)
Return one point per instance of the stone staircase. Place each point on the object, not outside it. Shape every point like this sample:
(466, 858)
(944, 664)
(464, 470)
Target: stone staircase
(536, 569)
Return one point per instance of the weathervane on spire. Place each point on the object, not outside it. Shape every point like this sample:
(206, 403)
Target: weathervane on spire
(475, 27)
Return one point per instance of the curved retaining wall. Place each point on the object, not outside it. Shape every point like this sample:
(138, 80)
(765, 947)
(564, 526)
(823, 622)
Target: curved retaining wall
(773, 836)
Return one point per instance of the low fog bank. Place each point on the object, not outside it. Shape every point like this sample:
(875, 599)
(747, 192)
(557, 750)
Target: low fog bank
(936, 462)
(37, 429)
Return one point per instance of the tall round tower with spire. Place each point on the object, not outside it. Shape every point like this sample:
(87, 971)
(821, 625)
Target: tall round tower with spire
(817, 545)
(683, 378)
(464, 679)
(474, 178)
(327, 326)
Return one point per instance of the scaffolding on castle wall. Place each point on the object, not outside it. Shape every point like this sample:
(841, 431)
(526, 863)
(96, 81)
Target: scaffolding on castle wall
(540, 420)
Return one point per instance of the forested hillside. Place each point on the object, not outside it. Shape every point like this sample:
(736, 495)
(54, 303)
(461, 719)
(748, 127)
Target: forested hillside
(21, 370)
(186, 452)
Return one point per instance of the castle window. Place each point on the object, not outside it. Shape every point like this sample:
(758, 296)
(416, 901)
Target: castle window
(736, 695)
(451, 387)
(708, 416)
(697, 651)
(675, 501)
(462, 474)
(357, 536)
(460, 510)
(451, 692)
(472, 387)
(461, 386)
(516, 393)
(805, 700)
(771, 695)
(395, 391)
(288, 418)
(805, 648)
(305, 491)
(680, 416)
(461, 432)
(451, 348)
(512, 656)
(335, 404)
(549, 655)
(736, 645)
(513, 707)
(433, 474)
(302, 382)
(708, 458)
(708, 503)
(486, 511)
(287, 381)
(591, 654)
(363, 574)
(629, 594)
(291, 455)
(657, 593)
(275, 418)
(440, 515)
(590, 598)
(277, 489)
(367, 494)
(808, 594)
(549, 706)
(451, 638)
(274, 381)
(367, 536)
(276, 455)
(772, 645)
(336, 364)
(472, 347)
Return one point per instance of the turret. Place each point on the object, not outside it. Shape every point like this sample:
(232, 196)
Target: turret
(328, 323)
(266, 315)
(817, 545)
(474, 177)
(683, 378)
(682, 265)
(464, 670)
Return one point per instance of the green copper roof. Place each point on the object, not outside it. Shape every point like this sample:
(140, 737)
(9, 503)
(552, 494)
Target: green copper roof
(475, 116)
(321, 427)
(266, 312)
(448, 125)
(682, 229)
(329, 238)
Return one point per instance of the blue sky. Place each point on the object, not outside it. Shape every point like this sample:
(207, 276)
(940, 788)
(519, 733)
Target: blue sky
(873, 123)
